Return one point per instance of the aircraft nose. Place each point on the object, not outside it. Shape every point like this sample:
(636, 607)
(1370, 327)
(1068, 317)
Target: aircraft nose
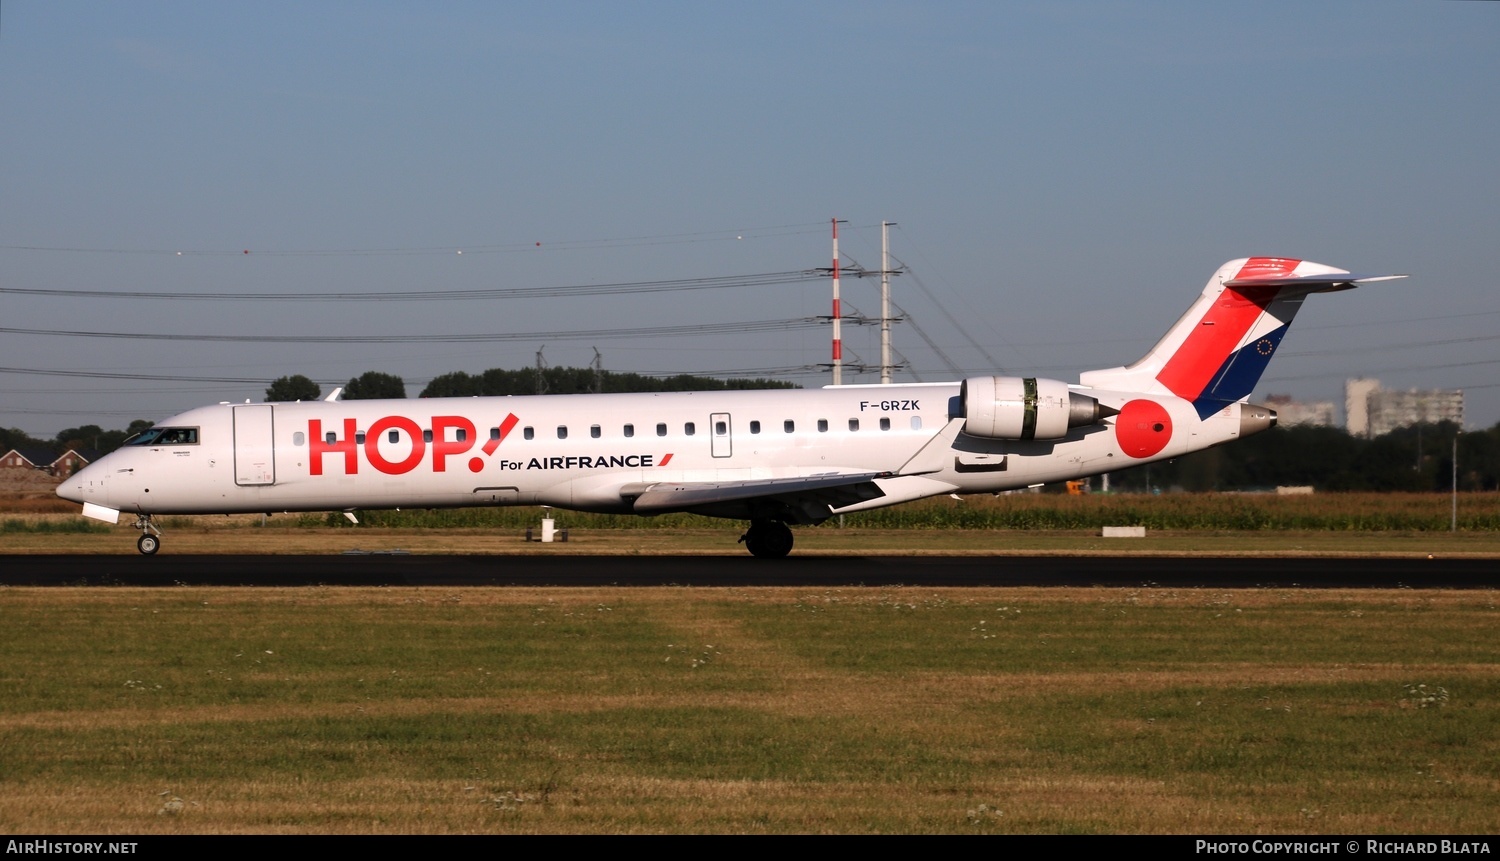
(85, 485)
(71, 488)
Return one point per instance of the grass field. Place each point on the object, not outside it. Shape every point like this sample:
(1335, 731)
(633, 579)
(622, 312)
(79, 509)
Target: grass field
(35, 521)
(60, 533)
(763, 710)
(353, 710)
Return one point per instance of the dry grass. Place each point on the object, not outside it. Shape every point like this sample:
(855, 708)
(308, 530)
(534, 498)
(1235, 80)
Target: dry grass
(747, 710)
(243, 534)
(33, 520)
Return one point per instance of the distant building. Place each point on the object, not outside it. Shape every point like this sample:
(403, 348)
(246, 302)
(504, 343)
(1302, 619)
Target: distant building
(1373, 411)
(1357, 405)
(73, 460)
(1290, 413)
(43, 459)
(31, 458)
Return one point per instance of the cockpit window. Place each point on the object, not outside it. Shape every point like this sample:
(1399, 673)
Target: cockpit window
(167, 436)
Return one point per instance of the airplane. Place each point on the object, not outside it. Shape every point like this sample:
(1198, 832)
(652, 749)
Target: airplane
(775, 458)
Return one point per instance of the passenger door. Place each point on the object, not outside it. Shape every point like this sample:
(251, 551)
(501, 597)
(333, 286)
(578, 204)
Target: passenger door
(719, 429)
(254, 446)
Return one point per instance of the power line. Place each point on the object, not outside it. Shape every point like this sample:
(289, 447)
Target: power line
(106, 375)
(994, 363)
(789, 371)
(1400, 369)
(116, 390)
(761, 279)
(1399, 320)
(1410, 345)
(478, 338)
(931, 344)
(134, 414)
(477, 248)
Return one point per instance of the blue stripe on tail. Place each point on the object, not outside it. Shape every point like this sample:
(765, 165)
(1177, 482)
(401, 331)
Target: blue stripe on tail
(1236, 378)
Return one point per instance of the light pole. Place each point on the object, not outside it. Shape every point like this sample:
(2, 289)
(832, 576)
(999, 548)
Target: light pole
(1453, 524)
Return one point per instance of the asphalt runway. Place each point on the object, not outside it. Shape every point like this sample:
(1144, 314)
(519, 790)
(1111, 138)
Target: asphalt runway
(403, 570)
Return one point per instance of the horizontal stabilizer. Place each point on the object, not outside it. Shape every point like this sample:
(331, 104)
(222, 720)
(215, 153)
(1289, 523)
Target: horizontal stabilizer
(1335, 280)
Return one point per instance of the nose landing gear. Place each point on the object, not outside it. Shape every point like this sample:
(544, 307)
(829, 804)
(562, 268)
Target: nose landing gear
(150, 540)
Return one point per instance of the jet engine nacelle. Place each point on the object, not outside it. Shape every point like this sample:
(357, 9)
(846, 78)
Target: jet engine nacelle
(1025, 408)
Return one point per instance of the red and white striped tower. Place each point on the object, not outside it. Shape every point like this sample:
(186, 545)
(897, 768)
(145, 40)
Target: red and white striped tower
(838, 337)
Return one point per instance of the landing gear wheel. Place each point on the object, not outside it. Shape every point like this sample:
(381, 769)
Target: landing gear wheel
(768, 539)
(150, 540)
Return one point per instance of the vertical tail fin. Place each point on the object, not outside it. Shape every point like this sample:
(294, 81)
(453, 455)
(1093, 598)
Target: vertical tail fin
(1215, 353)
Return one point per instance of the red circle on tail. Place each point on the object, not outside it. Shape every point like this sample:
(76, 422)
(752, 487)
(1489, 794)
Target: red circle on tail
(1143, 428)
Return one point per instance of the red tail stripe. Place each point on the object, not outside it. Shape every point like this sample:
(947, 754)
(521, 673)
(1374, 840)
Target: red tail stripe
(1264, 267)
(1217, 334)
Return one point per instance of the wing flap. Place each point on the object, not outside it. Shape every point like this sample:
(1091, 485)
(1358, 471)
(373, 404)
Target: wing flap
(835, 491)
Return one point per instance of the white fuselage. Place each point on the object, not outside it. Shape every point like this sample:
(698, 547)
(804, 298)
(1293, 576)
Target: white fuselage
(773, 457)
(586, 452)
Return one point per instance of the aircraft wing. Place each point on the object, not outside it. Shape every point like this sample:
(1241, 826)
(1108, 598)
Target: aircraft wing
(833, 491)
(805, 499)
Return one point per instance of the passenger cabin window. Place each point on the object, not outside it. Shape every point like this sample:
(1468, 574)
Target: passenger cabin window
(494, 433)
(529, 433)
(689, 429)
(330, 437)
(459, 434)
(789, 426)
(594, 431)
(755, 427)
(721, 428)
(562, 431)
(854, 424)
(885, 424)
(822, 425)
(629, 431)
(359, 437)
(916, 422)
(427, 435)
(298, 438)
(393, 436)
(661, 430)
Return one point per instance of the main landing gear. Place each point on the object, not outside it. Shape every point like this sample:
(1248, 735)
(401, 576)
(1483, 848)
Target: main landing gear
(150, 540)
(767, 539)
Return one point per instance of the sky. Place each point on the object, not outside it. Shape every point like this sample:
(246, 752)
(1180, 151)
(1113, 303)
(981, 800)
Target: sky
(1064, 178)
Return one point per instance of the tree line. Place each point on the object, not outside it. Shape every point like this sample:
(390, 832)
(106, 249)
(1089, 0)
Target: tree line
(1414, 458)
(373, 385)
(84, 438)
(523, 381)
